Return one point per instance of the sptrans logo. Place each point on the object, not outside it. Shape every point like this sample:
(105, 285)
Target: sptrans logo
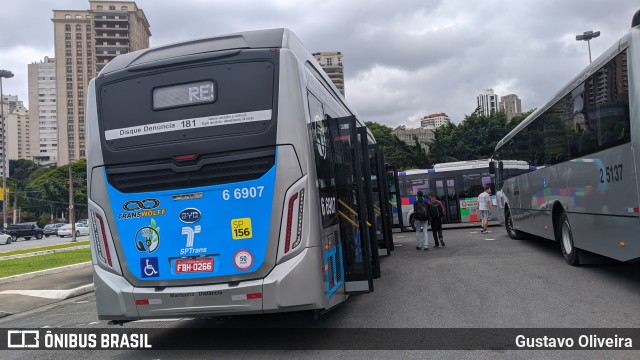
(137, 209)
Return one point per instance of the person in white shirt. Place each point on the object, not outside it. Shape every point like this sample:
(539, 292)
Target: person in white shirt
(484, 207)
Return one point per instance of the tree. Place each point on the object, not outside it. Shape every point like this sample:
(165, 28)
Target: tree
(49, 191)
(474, 138)
(21, 170)
(396, 151)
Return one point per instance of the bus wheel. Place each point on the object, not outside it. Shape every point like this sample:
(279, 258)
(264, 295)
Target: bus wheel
(513, 233)
(412, 223)
(569, 250)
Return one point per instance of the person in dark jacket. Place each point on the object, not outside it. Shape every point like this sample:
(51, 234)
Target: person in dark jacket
(436, 217)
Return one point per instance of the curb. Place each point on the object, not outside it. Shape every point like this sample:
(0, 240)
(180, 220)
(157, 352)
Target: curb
(59, 294)
(44, 252)
(31, 275)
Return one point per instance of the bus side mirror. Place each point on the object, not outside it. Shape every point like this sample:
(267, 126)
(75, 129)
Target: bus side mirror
(492, 167)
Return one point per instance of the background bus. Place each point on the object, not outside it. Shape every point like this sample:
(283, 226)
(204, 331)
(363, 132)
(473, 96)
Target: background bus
(456, 184)
(227, 175)
(582, 185)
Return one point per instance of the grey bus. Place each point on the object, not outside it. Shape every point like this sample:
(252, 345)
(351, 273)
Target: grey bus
(581, 188)
(228, 175)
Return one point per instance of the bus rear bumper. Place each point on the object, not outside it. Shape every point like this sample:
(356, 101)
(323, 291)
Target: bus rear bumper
(293, 285)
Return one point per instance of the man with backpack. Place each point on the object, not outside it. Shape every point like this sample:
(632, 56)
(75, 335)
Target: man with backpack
(420, 221)
(436, 216)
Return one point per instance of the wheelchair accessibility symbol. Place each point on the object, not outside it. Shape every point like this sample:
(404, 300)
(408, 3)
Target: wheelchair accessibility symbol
(149, 267)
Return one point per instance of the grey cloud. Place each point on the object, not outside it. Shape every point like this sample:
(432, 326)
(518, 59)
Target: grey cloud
(404, 58)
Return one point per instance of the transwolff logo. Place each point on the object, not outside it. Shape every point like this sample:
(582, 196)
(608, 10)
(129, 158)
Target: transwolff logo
(191, 234)
(137, 209)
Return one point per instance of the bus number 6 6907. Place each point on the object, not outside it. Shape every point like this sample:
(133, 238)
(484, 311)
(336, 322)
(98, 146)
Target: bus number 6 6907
(243, 193)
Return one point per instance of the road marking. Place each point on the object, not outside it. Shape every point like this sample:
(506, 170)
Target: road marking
(51, 294)
(489, 239)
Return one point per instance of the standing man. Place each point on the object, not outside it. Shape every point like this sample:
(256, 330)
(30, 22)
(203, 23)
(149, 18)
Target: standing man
(436, 216)
(484, 207)
(420, 218)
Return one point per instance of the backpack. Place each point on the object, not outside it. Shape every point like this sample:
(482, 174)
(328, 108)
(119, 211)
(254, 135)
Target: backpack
(436, 210)
(420, 210)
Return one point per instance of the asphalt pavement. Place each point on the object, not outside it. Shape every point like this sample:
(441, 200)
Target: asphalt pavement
(477, 280)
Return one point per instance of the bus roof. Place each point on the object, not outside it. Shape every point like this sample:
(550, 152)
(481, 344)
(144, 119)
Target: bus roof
(465, 165)
(272, 38)
(616, 48)
(280, 38)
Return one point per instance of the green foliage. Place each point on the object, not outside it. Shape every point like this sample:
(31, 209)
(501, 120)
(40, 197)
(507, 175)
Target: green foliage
(474, 138)
(21, 170)
(42, 262)
(396, 151)
(48, 191)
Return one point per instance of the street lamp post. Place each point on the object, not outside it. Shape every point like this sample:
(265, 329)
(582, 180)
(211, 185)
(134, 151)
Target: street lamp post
(4, 74)
(587, 36)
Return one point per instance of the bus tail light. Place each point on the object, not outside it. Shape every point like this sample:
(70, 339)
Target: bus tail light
(287, 243)
(300, 210)
(298, 231)
(100, 236)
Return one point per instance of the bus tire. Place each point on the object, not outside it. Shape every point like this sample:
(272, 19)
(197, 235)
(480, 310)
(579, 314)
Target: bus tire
(569, 250)
(508, 223)
(412, 223)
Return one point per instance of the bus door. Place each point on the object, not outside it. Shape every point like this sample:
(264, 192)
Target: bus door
(394, 203)
(351, 205)
(446, 192)
(367, 178)
(380, 198)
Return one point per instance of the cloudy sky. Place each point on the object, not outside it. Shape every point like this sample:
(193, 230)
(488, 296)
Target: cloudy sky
(403, 58)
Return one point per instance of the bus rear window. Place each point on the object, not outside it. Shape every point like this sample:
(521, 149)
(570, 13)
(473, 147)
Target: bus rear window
(189, 103)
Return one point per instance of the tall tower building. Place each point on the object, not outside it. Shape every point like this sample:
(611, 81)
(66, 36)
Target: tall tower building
(331, 62)
(85, 41)
(487, 102)
(42, 115)
(19, 135)
(511, 104)
(10, 104)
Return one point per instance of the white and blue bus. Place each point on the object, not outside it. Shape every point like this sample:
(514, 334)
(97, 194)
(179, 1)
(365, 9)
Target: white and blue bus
(456, 184)
(228, 175)
(581, 188)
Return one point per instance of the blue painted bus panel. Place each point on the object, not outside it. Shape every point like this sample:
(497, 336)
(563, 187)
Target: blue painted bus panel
(228, 223)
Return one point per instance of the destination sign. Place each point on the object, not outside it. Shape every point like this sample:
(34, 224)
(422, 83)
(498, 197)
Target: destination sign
(184, 94)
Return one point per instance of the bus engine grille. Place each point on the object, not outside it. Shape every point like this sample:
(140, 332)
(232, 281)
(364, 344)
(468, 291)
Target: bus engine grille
(168, 177)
